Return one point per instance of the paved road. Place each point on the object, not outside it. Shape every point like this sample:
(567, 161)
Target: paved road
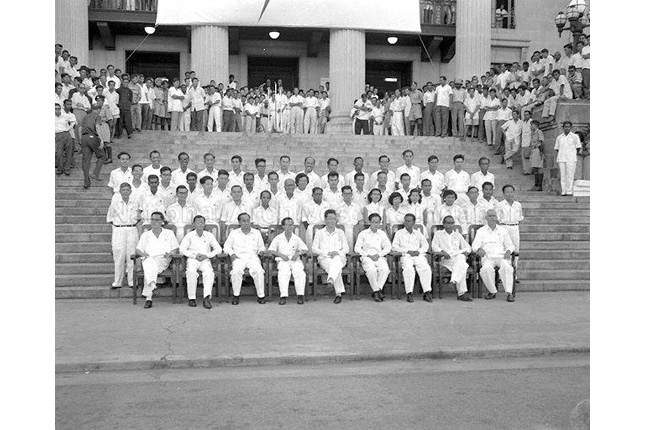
(496, 394)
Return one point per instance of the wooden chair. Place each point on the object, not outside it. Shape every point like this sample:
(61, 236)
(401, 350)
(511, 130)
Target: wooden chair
(358, 267)
(317, 271)
(171, 273)
(397, 259)
(227, 264)
(477, 263)
(442, 274)
(271, 266)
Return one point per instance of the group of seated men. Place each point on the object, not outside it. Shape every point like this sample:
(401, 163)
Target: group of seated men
(156, 194)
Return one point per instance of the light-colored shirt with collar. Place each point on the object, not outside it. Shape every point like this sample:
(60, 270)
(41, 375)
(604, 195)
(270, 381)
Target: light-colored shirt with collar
(208, 207)
(293, 246)
(349, 215)
(437, 180)
(313, 213)
(179, 177)
(566, 146)
(413, 171)
(194, 244)
(457, 182)
(454, 211)
(371, 243)
(443, 95)
(405, 241)
(122, 213)
(157, 246)
(149, 203)
(363, 114)
(453, 243)
(80, 101)
(288, 207)
(232, 210)
(391, 179)
(197, 97)
(64, 122)
(326, 242)
(513, 130)
(235, 179)
(314, 180)
(180, 216)
(244, 245)
(494, 242)
(324, 180)
(509, 213)
(335, 199)
(118, 176)
(478, 178)
(149, 170)
(359, 197)
(504, 114)
(251, 198)
(264, 217)
(349, 178)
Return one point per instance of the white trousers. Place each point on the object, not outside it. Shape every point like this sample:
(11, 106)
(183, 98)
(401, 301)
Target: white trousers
(286, 122)
(567, 172)
(124, 242)
(215, 119)
(420, 264)
(311, 121)
(250, 124)
(152, 266)
(378, 129)
(208, 275)
(255, 270)
(458, 268)
(297, 116)
(398, 129)
(334, 268)
(184, 122)
(285, 270)
(349, 234)
(514, 233)
(376, 272)
(487, 273)
(277, 121)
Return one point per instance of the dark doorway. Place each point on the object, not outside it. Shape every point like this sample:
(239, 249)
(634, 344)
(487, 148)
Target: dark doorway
(154, 64)
(273, 68)
(397, 73)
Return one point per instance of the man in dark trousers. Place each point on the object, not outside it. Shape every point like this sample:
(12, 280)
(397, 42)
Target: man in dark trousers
(91, 143)
(125, 108)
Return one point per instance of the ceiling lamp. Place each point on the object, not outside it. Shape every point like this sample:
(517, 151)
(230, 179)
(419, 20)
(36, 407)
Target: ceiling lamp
(274, 34)
(392, 40)
(150, 30)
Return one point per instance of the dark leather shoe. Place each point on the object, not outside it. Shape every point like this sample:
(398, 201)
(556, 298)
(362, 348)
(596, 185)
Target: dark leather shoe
(380, 295)
(410, 298)
(301, 300)
(338, 299)
(376, 296)
(86, 185)
(261, 300)
(427, 296)
(192, 303)
(490, 296)
(148, 304)
(465, 298)
(207, 302)
(283, 301)
(236, 300)
(510, 298)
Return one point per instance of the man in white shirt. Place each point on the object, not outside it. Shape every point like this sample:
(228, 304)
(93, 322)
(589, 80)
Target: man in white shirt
(206, 203)
(429, 97)
(156, 246)
(121, 174)
(413, 171)
(199, 247)
(458, 180)
(384, 164)
(453, 249)
(181, 214)
(284, 173)
(363, 107)
(493, 244)
(435, 176)
(179, 175)
(324, 108)
(244, 245)
(250, 193)
(152, 200)
(333, 194)
(214, 105)
(175, 105)
(64, 142)
(526, 143)
(330, 245)
(311, 107)
(478, 178)
(486, 201)
(313, 213)
(287, 204)
(147, 99)
(236, 176)
(509, 214)
(124, 215)
(287, 248)
(414, 246)
(373, 245)
(197, 97)
(296, 102)
(513, 138)
(209, 170)
(358, 168)
(503, 114)
(430, 202)
(490, 105)
(458, 108)
(332, 166)
(314, 179)
(155, 165)
(111, 77)
(228, 112)
(567, 146)
(265, 215)
(349, 214)
(586, 65)
(232, 209)
(562, 89)
(442, 107)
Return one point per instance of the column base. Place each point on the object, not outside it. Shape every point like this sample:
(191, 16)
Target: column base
(339, 125)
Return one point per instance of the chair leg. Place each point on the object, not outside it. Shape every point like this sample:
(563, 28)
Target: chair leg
(135, 287)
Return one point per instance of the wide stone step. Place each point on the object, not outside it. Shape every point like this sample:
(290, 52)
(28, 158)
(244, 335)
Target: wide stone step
(85, 268)
(84, 257)
(555, 212)
(555, 236)
(552, 264)
(534, 220)
(84, 228)
(554, 228)
(532, 254)
(79, 211)
(556, 205)
(540, 245)
(82, 247)
(84, 203)
(551, 274)
(83, 237)
(534, 285)
(103, 292)
(80, 219)
(69, 193)
(102, 280)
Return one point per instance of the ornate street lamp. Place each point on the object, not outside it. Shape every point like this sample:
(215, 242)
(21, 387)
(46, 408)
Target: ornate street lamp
(575, 15)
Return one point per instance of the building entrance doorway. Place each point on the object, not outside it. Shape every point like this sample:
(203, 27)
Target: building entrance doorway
(388, 75)
(154, 64)
(273, 68)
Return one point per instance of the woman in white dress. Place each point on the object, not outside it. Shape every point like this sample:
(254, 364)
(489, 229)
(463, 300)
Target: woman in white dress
(415, 207)
(374, 205)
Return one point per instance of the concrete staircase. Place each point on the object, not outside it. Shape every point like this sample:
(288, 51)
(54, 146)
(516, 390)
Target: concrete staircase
(555, 234)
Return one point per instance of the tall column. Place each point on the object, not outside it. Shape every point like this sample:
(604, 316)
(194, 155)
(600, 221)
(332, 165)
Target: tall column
(72, 28)
(209, 53)
(473, 50)
(346, 76)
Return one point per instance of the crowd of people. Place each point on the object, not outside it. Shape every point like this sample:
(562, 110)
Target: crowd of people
(255, 201)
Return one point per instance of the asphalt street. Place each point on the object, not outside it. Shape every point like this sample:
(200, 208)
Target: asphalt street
(530, 393)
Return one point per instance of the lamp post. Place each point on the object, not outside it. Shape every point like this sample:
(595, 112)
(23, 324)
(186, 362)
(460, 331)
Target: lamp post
(578, 21)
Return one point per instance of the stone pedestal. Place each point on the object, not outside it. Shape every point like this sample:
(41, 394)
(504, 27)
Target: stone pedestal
(473, 50)
(209, 53)
(72, 28)
(346, 76)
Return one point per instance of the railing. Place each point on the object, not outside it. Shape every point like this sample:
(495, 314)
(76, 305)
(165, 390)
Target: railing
(503, 14)
(125, 5)
(438, 12)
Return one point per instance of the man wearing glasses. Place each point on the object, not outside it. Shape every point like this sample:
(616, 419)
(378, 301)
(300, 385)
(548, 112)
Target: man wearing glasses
(156, 247)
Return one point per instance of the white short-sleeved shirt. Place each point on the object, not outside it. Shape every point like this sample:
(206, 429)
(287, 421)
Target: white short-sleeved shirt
(443, 95)
(566, 146)
(157, 246)
(290, 247)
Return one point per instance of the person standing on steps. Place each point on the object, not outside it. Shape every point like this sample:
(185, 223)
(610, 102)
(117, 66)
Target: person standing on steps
(124, 215)
(91, 143)
(537, 154)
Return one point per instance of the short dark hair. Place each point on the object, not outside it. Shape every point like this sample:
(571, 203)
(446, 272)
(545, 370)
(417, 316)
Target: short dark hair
(393, 196)
(123, 153)
(236, 157)
(329, 212)
(221, 172)
(182, 153)
(198, 217)
(165, 169)
(507, 186)
(204, 179)
(487, 183)
(332, 175)
(191, 175)
(259, 160)
(375, 214)
(458, 156)
(332, 159)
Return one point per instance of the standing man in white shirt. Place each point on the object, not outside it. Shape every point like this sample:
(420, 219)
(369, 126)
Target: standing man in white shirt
(311, 113)
(457, 109)
(122, 174)
(324, 106)
(513, 138)
(349, 214)
(384, 164)
(373, 245)
(175, 105)
(458, 180)
(313, 213)
(296, 101)
(414, 246)
(197, 97)
(586, 66)
(228, 112)
(330, 245)
(429, 97)
(244, 245)
(155, 166)
(509, 214)
(64, 142)
(453, 249)
(413, 171)
(314, 179)
(477, 179)
(490, 106)
(493, 244)
(416, 115)
(471, 121)
(287, 248)
(124, 215)
(567, 146)
(199, 247)
(364, 107)
(442, 107)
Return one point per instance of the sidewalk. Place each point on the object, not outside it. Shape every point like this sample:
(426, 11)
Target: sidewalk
(116, 335)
